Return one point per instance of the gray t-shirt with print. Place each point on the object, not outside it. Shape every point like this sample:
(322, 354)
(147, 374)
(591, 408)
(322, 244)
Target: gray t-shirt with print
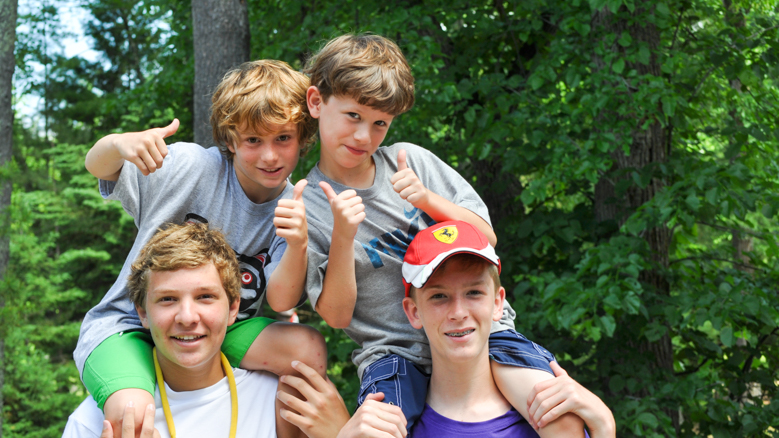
(193, 184)
(379, 324)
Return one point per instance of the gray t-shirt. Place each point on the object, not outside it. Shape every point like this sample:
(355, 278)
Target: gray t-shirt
(194, 184)
(379, 324)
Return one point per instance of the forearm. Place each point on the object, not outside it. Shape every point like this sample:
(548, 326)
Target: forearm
(286, 284)
(104, 160)
(339, 288)
(440, 209)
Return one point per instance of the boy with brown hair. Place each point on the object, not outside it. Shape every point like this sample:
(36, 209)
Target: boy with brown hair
(371, 203)
(261, 124)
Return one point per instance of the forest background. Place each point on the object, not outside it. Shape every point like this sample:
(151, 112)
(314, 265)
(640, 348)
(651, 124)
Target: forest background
(628, 152)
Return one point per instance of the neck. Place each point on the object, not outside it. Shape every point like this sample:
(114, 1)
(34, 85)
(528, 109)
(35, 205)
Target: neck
(181, 379)
(465, 391)
(360, 177)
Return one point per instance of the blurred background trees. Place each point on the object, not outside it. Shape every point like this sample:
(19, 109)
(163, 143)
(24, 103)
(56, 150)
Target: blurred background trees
(627, 150)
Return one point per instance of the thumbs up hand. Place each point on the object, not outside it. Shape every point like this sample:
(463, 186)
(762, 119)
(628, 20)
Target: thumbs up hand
(290, 218)
(145, 149)
(407, 184)
(348, 210)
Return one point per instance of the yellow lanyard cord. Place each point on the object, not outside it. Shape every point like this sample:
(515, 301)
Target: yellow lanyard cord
(233, 396)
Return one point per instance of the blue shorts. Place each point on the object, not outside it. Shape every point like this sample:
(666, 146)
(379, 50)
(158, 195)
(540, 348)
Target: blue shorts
(405, 385)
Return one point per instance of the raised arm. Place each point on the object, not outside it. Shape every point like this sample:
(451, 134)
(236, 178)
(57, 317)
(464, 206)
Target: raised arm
(552, 398)
(145, 149)
(339, 288)
(407, 184)
(286, 283)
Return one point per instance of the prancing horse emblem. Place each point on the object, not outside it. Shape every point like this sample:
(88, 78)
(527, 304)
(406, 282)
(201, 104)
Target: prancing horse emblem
(446, 234)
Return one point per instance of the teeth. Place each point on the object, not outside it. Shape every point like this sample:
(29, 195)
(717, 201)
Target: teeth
(460, 334)
(187, 338)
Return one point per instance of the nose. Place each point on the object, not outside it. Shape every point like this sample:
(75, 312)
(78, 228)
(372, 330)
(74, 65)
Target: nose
(187, 314)
(457, 311)
(362, 135)
(268, 154)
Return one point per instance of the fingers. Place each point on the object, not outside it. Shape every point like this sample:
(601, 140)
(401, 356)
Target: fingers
(558, 370)
(316, 380)
(329, 192)
(128, 421)
(147, 429)
(108, 431)
(297, 192)
(169, 130)
(402, 160)
(377, 396)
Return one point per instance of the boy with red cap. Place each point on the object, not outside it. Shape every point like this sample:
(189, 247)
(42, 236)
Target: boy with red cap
(453, 292)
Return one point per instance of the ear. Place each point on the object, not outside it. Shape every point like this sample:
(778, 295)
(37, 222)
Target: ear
(143, 316)
(233, 311)
(314, 101)
(412, 312)
(500, 297)
(231, 148)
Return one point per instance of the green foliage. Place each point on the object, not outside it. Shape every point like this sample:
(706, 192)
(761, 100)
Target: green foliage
(539, 104)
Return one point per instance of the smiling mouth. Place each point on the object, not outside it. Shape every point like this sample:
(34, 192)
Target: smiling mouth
(271, 170)
(460, 334)
(191, 338)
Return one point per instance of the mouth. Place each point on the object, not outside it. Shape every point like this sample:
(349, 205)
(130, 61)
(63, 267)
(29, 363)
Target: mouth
(459, 333)
(188, 338)
(354, 151)
(272, 171)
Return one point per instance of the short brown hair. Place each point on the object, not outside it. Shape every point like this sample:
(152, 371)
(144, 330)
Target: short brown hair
(368, 68)
(257, 94)
(189, 245)
(471, 262)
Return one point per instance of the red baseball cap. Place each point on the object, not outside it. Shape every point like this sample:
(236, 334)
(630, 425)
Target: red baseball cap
(433, 245)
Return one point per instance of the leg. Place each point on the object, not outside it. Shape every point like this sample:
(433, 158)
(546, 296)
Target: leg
(401, 382)
(113, 383)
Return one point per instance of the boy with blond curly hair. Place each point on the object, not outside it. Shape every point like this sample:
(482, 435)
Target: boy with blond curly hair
(262, 126)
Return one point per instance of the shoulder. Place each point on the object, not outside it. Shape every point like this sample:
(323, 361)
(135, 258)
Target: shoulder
(410, 148)
(85, 421)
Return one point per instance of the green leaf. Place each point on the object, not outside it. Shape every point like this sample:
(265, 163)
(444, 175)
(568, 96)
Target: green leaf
(597, 5)
(726, 336)
(536, 81)
(648, 419)
(618, 66)
(608, 324)
(644, 55)
(625, 39)
(768, 211)
(693, 202)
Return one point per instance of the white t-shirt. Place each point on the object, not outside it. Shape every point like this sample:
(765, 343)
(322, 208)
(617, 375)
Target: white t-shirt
(200, 413)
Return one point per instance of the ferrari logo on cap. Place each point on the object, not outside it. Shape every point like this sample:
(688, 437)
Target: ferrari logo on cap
(446, 234)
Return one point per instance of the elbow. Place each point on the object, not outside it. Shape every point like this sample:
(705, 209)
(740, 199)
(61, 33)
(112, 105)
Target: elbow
(338, 322)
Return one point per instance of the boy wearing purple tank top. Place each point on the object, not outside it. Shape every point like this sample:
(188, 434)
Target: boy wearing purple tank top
(453, 292)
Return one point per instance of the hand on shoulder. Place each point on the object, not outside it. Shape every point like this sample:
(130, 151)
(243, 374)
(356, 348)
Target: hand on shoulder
(552, 398)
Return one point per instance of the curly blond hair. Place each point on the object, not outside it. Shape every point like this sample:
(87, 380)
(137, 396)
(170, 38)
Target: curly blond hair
(256, 95)
(189, 245)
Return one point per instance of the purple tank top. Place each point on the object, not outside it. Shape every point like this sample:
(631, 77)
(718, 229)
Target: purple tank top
(431, 424)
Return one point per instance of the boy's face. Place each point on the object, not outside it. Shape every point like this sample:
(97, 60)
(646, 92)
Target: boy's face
(187, 312)
(456, 308)
(349, 132)
(264, 161)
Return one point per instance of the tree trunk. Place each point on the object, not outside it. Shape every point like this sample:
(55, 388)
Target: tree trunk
(648, 147)
(220, 30)
(8, 9)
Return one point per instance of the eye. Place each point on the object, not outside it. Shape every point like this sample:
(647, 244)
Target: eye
(438, 296)
(353, 116)
(253, 140)
(476, 292)
(283, 138)
(166, 299)
(381, 123)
